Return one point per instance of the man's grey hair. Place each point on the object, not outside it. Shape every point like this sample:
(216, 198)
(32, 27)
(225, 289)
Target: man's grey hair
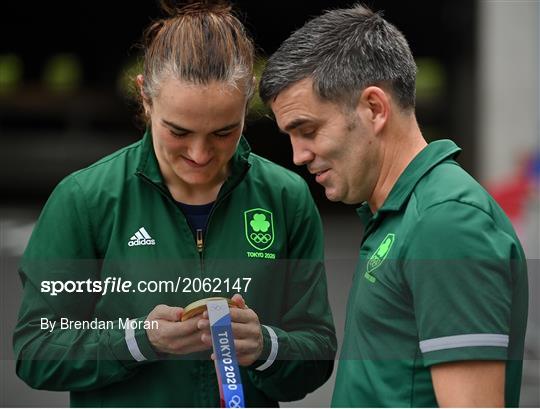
(344, 51)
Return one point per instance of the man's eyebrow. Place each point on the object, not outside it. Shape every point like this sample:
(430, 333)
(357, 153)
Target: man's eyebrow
(295, 124)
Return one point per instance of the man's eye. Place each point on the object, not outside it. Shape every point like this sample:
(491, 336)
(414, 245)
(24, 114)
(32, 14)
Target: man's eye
(308, 133)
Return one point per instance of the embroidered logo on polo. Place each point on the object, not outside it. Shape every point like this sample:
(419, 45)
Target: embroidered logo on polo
(141, 238)
(378, 257)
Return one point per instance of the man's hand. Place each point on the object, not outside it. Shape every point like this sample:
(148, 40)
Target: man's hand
(248, 339)
(173, 336)
(469, 383)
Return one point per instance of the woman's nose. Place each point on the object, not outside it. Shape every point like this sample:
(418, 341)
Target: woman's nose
(200, 152)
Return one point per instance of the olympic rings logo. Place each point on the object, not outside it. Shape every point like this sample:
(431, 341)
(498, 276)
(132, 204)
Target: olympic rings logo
(235, 402)
(260, 237)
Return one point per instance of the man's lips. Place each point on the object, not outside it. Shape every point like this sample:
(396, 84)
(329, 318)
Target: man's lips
(321, 175)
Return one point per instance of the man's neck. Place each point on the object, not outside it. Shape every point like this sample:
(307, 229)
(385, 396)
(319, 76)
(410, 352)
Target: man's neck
(401, 143)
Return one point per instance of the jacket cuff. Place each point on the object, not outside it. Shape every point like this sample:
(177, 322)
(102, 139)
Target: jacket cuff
(132, 345)
(270, 349)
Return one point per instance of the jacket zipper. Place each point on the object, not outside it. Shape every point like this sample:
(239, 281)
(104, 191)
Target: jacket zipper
(200, 247)
(199, 242)
(199, 232)
(200, 235)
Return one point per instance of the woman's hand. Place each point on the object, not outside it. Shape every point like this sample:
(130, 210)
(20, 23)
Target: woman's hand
(173, 336)
(248, 339)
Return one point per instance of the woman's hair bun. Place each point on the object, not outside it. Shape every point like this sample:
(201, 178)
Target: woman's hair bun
(173, 8)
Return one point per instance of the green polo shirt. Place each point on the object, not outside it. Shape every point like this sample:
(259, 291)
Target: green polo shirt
(441, 277)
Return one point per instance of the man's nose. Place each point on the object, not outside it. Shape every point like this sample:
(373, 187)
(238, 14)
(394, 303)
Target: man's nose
(302, 155)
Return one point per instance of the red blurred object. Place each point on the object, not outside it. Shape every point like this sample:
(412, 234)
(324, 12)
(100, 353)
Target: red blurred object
(513, 194)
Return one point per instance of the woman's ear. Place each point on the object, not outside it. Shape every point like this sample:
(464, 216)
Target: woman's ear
(145, 100)
(140, 82)
(252, 95)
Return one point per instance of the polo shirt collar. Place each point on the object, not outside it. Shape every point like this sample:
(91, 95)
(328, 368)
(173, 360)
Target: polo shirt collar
(433, 154)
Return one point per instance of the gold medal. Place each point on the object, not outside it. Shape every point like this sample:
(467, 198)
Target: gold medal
(198, 307)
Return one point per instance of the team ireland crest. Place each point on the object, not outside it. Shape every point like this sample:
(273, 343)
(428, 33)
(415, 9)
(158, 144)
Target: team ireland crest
(259, 226)
(379, 256)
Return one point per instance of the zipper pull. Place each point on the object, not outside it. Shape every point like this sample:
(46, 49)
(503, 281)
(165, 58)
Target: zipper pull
(200, 242)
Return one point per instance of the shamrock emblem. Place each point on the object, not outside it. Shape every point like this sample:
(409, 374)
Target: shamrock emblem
(259, 223)
(384, 247)
(259, 228)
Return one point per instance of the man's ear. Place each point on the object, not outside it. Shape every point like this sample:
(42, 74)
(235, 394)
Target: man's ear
(374, 106)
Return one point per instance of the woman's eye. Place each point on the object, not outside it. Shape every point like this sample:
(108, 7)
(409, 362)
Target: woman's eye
(178, 134)
(223, 134)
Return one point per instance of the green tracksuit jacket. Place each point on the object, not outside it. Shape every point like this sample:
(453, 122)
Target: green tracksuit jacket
(116, 221)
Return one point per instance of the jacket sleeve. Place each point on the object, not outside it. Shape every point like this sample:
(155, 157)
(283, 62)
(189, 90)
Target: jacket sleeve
(298, 355)
(62, 249)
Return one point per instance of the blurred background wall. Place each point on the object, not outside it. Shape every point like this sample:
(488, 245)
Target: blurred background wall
(65, 70)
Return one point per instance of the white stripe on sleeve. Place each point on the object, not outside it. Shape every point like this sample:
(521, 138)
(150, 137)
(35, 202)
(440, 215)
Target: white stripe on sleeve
(273, 350)
(462, 341)
(132, 343)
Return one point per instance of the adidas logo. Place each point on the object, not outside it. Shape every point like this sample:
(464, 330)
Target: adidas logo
(141, 238)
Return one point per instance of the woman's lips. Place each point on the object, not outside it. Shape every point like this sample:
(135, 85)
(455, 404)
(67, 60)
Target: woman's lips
(194, 164)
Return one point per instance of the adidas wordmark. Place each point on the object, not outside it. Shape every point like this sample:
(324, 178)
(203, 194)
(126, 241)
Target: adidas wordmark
(141, 238)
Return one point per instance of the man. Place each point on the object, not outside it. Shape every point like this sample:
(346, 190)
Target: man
(438, 305)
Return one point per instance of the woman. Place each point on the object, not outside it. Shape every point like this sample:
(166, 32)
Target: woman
(186, 213)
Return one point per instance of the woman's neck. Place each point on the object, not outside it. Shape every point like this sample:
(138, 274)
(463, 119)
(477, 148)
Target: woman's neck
(193, 194)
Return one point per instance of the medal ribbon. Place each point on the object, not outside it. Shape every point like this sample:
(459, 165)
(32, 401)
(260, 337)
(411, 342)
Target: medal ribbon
(231, 391)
